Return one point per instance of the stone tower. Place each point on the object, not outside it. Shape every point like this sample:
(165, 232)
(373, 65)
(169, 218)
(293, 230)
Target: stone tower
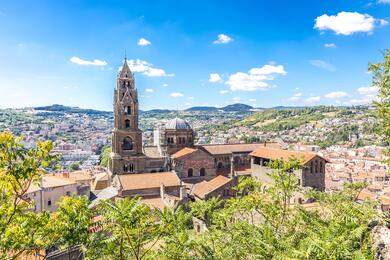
(126, 156)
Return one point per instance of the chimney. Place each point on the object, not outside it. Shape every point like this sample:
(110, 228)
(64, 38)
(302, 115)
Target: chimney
(162, 191)
(183, 191)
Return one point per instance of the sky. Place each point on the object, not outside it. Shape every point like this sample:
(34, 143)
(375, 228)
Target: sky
(191, 53)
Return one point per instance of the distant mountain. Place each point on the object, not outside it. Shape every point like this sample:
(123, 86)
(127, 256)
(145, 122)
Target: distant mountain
(73, 110)
(200, 108)
(230, 108)
(237, 108)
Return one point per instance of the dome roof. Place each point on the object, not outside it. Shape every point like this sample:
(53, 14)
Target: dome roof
(177, 123)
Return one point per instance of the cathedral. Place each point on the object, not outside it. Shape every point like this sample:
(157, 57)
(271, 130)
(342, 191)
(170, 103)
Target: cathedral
(128, 154)
(174, 169)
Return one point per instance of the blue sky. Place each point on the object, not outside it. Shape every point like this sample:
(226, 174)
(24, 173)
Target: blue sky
(187, 53)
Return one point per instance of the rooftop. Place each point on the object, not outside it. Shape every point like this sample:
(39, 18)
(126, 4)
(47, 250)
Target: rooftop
(219, 149)
(148, 180)
(276, 154)
(183, 152)
(205, 187)
(177, 123)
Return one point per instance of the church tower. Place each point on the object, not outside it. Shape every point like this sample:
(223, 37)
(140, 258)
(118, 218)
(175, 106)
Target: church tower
(126, 156)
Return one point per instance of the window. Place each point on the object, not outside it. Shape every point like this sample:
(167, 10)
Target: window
(202, 172)
(322, 167)
(127, 144)
(127, 123)
(316, 165)
(128, 110)
(220, 165)
(68, 193)
(179, 140)
(189, 139)
(49, 202)
(257, 161)
(190, 172)
(128, 167)
(184, 140)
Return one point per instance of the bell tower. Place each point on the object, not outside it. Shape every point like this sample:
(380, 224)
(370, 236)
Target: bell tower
(126, 156)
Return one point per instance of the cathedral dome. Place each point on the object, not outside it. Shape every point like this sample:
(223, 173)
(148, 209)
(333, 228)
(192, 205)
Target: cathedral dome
(177, 123)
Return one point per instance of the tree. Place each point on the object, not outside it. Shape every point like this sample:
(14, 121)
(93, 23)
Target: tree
(21, 231)
(104, 156)
(69, 225)
(131, 230)
(381, 80)
(75, 166)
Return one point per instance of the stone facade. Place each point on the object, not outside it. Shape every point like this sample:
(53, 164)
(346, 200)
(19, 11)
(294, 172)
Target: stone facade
(127, 154)
(195, 165)
(312, 173)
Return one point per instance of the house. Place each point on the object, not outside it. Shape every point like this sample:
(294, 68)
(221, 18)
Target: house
(48, 192)
(219, 186)
(311, 174)
(156, 189)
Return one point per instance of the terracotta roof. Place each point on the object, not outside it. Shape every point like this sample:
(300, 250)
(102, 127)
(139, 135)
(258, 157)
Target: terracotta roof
(101, 176)
(152, 152)
(148, 180)
(366, 195)
(384, 199)
(50, 181)
(275, 154)
(217, 149)
(154, 202)
(183, 152)
(205, 187)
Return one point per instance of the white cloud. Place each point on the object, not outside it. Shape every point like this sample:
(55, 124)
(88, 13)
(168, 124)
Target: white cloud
(268, 69)
(176, 94)
(313, 99)
(149, 90)
(252, 100)
(165, 85)
(322, 65)
(359, 101)
(296, 96)
(330, 45)
(236, 99)
(384, 1)
(347, 23)
(224, 91)
(368, 90)
(191, 98)
(214, 77)
(143, 42)
(222, 39)
(255, 79)
(336, 94)
(147, 68)
(94, 62)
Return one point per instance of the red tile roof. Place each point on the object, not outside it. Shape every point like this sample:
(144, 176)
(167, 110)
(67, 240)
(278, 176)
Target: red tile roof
(205, 187)
(277, 154)
(219, 149)
(148, 180)
(183, 152)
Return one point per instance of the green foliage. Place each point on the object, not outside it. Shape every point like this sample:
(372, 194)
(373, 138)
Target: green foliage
(259, 223)
(75, 166)
(20, 168)
(104, 156)
(381, 79)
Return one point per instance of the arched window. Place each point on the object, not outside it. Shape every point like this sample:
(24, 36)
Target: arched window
(128, 110)
(184, 140)
(189, 139)
(202, 172)
(127, 144)
(179, 140)
(220, 165)
(316, 164)
(322, 167)
(127, 123)
(190, 172)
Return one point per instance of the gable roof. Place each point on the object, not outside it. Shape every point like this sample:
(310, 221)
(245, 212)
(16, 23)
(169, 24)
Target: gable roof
(183, 152)
(219, 149)
(139, 181)
(202, 189)
(275, 154)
